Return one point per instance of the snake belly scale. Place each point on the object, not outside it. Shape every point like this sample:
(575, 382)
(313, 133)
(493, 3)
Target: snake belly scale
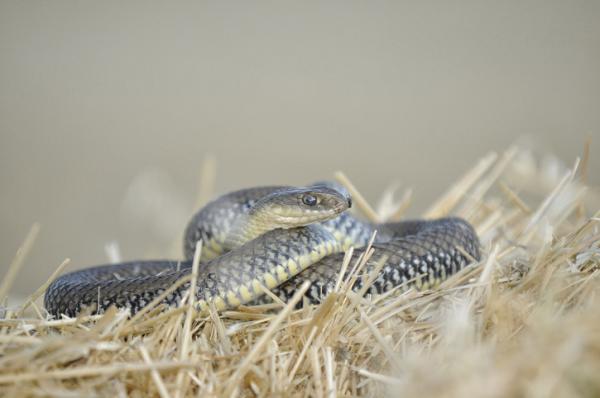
(275, 237)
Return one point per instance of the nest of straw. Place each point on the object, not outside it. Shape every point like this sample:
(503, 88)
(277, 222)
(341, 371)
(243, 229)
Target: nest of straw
(522, 322)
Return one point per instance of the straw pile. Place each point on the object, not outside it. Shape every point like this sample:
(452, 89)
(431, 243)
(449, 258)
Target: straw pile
(522, 322)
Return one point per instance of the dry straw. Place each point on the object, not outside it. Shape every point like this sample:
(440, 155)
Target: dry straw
(522, 322)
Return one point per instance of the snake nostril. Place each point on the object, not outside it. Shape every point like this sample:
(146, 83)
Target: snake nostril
(349, 202)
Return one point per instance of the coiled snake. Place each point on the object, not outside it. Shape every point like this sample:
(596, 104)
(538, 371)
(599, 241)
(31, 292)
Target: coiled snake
(275, 237)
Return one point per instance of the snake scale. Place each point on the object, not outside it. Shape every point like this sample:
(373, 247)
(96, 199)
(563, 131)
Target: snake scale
(275, 237)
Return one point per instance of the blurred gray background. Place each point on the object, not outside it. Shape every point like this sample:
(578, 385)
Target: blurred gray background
(109, 109)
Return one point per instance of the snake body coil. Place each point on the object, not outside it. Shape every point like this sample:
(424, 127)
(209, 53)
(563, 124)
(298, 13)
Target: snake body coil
(274, 237)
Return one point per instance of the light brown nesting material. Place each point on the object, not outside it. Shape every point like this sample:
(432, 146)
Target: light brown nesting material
(525, 321)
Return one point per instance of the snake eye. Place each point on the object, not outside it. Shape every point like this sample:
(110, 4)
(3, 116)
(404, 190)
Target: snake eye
(309, 200)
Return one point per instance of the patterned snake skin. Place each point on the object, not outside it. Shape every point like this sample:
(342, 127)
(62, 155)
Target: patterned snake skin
(418, 253)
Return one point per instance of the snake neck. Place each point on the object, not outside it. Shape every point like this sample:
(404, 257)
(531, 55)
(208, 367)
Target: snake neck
(350, 231)
(247, 227)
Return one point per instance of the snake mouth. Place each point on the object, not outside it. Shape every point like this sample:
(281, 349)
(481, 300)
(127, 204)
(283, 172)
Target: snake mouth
(342, 206)
(286, 222)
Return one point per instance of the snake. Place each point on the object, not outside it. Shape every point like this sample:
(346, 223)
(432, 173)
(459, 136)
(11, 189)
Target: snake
(275, 238)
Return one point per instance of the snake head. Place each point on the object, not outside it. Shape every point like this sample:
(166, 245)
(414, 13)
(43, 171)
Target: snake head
(295, 207)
